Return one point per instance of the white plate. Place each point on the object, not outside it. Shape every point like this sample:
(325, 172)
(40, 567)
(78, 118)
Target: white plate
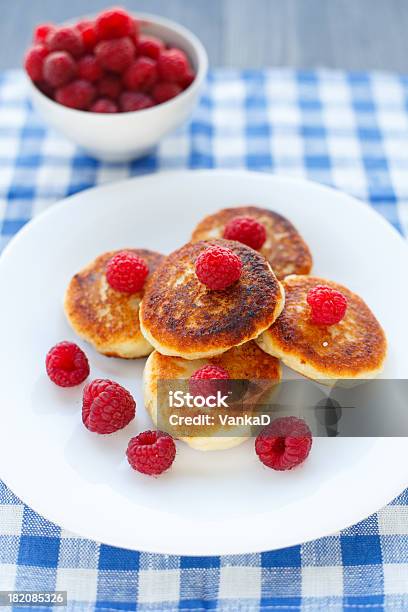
(215, 503)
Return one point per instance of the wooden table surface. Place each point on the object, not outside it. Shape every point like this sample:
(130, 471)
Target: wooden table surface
(349, 34)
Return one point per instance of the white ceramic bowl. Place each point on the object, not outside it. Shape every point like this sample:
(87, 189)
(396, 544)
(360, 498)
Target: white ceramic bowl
(125, 136)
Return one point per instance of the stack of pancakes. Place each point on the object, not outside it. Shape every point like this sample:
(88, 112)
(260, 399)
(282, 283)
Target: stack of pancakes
(247, 328)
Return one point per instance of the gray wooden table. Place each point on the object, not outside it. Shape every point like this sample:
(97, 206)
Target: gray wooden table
(349, 34)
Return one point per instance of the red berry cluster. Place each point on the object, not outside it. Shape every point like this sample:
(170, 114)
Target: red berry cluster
(328, 306)
(218, 267)
(66, 364)
(284, 444)
(126, 272)
(106, 65)
(246, 230)
(151, 452)
(208, 380)
(108, 407)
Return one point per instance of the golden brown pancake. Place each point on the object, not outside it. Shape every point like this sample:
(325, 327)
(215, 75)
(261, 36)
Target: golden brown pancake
(354, 348)
(245, 362)
(180, 316)
(106, 318)
(284, 248)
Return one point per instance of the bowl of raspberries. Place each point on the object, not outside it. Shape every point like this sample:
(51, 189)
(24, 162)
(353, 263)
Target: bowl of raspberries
(115, 84)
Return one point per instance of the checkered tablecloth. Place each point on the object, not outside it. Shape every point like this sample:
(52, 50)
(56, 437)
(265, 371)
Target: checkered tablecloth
(346, 130)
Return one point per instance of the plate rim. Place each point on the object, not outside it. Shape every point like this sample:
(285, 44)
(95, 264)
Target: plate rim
(227, 172)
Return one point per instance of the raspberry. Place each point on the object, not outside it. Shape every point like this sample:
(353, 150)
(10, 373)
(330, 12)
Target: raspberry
(34, 62)
(66, 364)
(78, 94)
(187, 79)
(164, 90)
(59, 68)
(115, 55)
(41, 32)
(126, 272)
(173, 65)
(88, 34)
(104, 105)
(114, 23)
(107, 406)
(46, 89)
(132, 101)
(110, 86)
(65, 39)
(328, 306)
(151, 452)
(246, 230)
(141, 75)
(136, 32)
(205, 381)
(150, 46)
(89, 69)
(218, 267)
(284, 444)
(210, 372)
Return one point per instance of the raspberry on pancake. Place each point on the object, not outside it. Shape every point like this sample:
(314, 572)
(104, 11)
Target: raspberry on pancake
(353, 348)
(106, 318)
(180, 316)
(284, 248)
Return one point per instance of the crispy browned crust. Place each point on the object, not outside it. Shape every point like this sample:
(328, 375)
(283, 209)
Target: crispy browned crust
(99, 314)
(284, 248)
(244, 362)
(180, 316)
(355, 347)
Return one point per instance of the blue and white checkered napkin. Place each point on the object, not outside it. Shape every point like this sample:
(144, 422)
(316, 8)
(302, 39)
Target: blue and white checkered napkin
(346, 130)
